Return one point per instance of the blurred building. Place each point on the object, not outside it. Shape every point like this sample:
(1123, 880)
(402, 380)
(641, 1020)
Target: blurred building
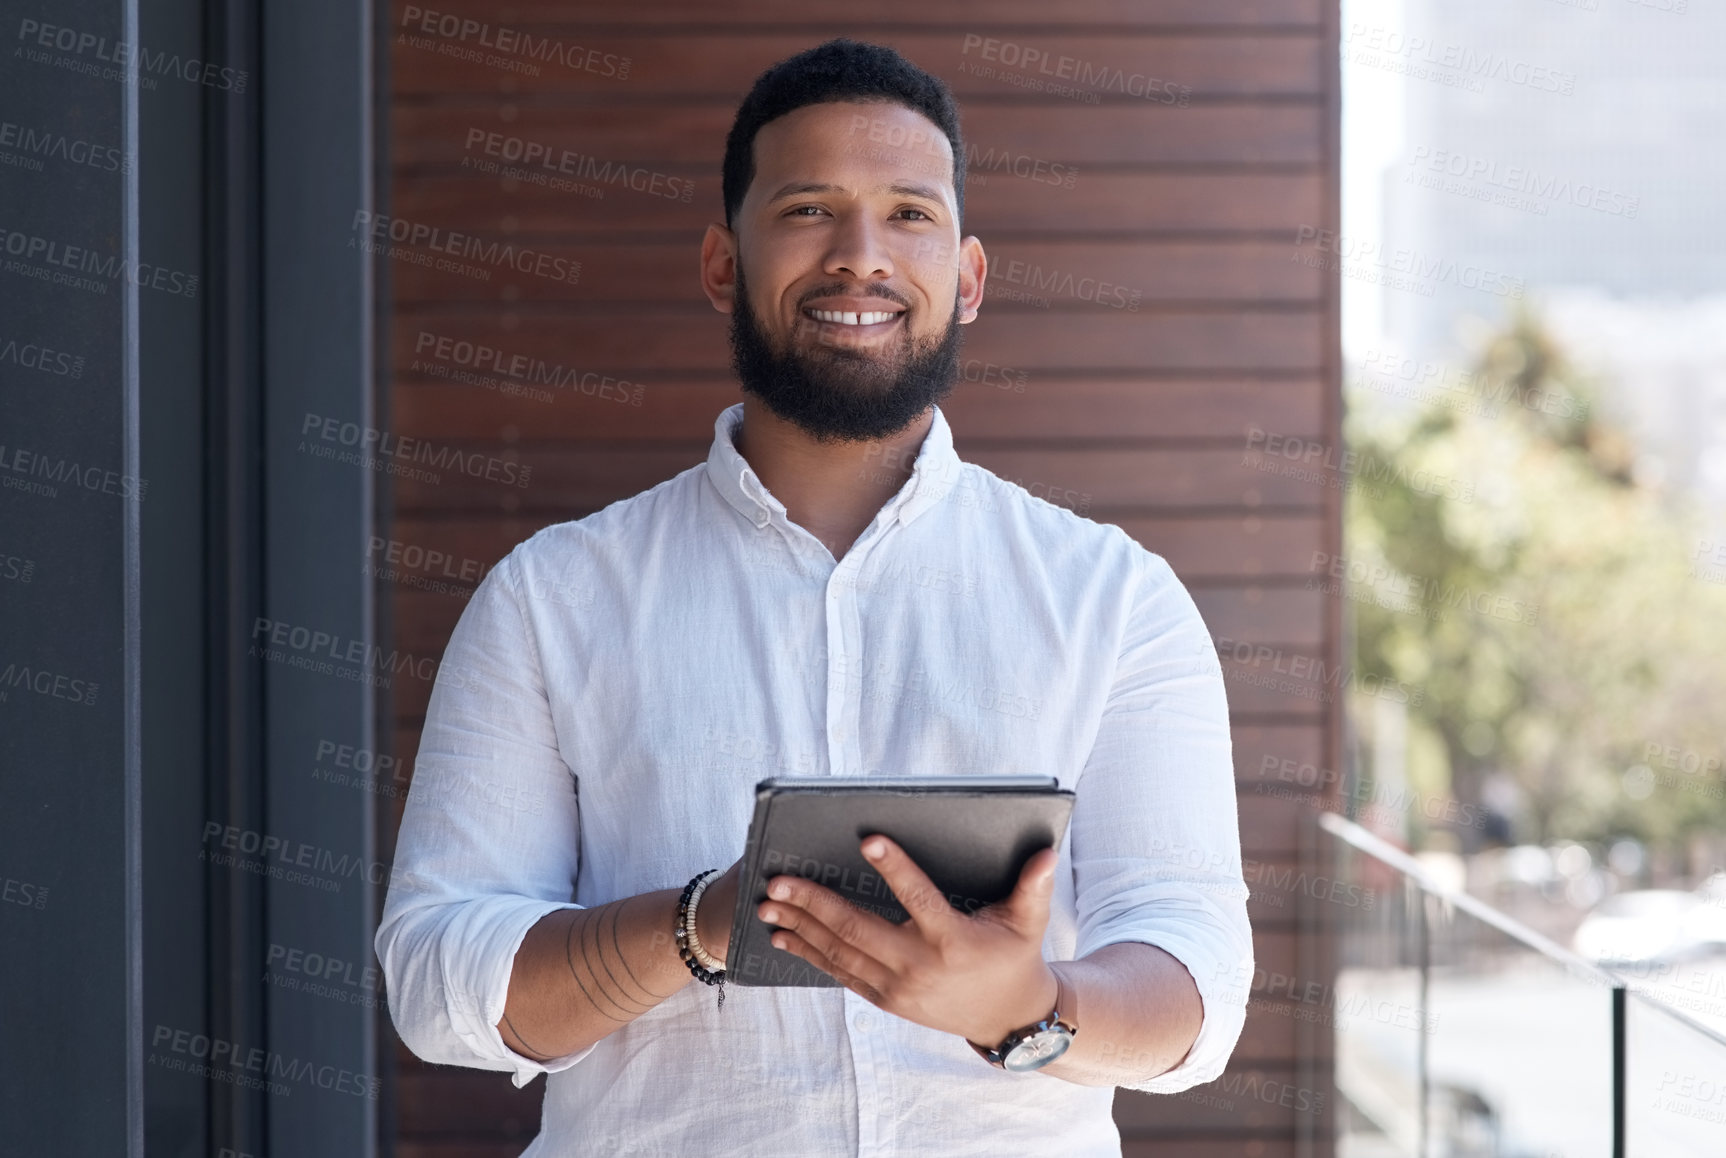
(1566, 154)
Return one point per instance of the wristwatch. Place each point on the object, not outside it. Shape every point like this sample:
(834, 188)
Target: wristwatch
(1036, 1045)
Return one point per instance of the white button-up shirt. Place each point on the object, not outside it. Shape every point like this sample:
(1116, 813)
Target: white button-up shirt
(618, 684)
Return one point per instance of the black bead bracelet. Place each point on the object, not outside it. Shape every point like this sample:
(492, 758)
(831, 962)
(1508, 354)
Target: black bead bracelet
(681, 934)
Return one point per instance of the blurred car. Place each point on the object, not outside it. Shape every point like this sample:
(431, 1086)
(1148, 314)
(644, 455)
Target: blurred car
(1651, 925)
(1713, 890)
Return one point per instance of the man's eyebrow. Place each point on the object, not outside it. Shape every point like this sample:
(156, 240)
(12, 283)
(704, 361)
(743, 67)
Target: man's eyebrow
(902, 188)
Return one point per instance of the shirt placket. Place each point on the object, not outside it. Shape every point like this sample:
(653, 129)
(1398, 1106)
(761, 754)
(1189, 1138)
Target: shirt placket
(845, 655)
(867, 1028)
(844, 677)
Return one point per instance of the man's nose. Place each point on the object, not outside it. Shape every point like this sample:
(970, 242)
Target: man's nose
(859, 249)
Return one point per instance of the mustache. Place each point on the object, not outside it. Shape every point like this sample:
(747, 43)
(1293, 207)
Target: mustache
(840, 289)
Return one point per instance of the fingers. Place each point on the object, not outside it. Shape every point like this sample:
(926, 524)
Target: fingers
(855, 971)
(847, 920)
(840, 950)
(928, 906)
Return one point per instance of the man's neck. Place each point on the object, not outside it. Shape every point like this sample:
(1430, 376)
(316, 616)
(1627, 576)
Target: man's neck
(832, 490)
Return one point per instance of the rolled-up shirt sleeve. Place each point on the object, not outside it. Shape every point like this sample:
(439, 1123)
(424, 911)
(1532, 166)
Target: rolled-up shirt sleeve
(1155, 835)
(489, 840)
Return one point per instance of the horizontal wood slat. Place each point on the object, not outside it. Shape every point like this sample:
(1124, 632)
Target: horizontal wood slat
(1122, 277)
(1291, 616)
(439, 1099)
(1254, 693)
(1146, 479)
(1087, 481)
(693, 132)
(1271, 826)
(1264, 1040)
(1160, 1145)
(1229, 547)
(1006, 193)
(1275, 950)
(990, 402)
(629, 343)
(1226, 15)
(1246, 1097)
(1198, 549)
(1291, 684)
(427, 618)
(1252, 744)
(1137, 64)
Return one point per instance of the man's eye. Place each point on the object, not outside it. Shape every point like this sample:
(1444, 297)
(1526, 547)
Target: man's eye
(801, 208)
(919, 213)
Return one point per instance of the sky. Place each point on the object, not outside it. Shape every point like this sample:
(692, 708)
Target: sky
(1372, 130)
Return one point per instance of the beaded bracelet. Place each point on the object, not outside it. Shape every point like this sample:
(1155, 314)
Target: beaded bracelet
(684, 933)
(692, 936)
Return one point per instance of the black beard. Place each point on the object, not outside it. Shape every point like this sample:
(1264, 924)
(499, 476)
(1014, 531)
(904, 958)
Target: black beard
(836, 394)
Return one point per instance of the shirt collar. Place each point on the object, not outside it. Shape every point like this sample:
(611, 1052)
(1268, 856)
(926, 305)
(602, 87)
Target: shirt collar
(934, 472)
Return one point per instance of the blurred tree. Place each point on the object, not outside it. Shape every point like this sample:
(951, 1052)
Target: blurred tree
(1508, 562)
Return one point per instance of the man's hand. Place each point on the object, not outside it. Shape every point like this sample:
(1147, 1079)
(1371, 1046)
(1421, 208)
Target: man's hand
(978, 975)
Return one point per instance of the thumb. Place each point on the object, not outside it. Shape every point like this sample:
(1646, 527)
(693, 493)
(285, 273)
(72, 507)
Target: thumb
(1029, 905)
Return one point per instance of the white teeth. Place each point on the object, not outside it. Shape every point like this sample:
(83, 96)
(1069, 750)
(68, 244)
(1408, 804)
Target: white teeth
(852, 319)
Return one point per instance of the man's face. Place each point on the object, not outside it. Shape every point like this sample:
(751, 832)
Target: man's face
(848, 277)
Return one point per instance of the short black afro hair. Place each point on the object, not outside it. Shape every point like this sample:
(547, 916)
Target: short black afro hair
(839, 70)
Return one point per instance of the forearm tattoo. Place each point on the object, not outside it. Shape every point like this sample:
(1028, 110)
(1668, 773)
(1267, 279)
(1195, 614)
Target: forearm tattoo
(617, 951)
(599, 973)
(535, 1054)
(594, 975)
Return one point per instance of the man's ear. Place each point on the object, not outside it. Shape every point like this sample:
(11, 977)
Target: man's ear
(719, 267)
(973, 271)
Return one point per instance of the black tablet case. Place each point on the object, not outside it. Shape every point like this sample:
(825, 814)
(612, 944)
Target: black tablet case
(971, 834)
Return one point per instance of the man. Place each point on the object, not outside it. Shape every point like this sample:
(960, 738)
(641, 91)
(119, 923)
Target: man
(833, 592)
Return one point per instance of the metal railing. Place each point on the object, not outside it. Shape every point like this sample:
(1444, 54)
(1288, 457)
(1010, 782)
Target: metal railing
(1461, 1033)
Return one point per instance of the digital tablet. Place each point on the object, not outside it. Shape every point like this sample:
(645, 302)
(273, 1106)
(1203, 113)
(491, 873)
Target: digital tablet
(971, 834)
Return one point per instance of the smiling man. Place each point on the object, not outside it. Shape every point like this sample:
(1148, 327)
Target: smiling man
(833, 592)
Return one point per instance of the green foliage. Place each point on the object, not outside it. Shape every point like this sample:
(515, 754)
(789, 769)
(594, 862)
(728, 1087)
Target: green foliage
(1543, 599)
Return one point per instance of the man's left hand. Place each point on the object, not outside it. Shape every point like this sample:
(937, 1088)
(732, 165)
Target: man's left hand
(980, 975)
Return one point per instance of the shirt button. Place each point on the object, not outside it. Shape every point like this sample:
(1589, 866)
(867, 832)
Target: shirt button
(864, 1021)
(762, 519)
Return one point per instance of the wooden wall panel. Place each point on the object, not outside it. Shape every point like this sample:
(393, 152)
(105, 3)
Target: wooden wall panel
(990, 16)
(985, 406)
(693, 132)
(686, 63)
(1242, 202)
(1200, 548)
(1143, 417)
(1232, 339)
(657, 272)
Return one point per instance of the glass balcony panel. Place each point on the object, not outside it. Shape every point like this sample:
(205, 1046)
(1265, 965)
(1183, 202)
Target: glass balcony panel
(1375, 1010)
(1519, 1045)
(1675, 1084)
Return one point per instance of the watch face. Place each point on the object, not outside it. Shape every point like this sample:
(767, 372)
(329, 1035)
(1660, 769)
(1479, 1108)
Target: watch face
(1038, 1050)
